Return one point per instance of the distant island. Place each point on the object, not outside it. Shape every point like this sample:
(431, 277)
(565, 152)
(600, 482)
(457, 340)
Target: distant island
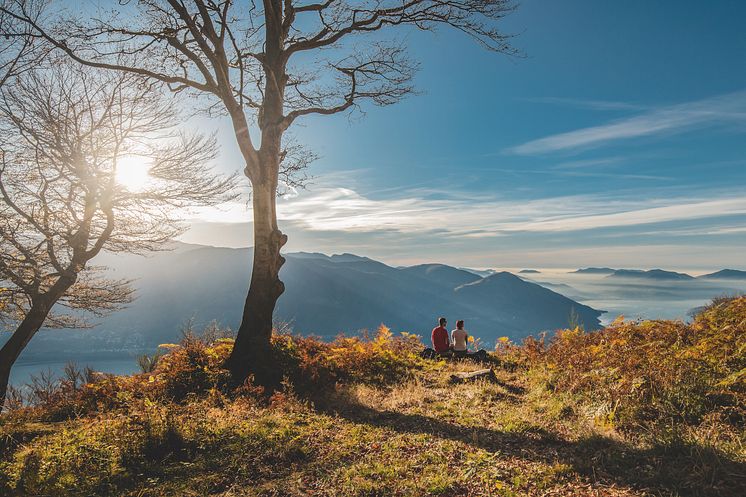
(594, 270)
(725, 274)
(656, 274)
(527, 271)
(653, 274)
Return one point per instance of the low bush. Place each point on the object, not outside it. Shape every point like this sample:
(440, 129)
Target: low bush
(652, 371)
(193, 368)
(311, 364)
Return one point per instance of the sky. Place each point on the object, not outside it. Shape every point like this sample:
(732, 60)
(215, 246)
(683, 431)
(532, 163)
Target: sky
(617, 139)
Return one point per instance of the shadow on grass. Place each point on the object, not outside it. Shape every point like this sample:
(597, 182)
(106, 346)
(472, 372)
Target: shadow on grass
(673, 469)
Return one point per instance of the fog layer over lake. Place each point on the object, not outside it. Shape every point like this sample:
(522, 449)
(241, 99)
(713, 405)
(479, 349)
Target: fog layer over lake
(636, 297)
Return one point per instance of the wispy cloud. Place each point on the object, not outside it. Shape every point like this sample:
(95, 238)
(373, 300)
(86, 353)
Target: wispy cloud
(614, 176)
(589, 163)
(686, 210)
(672, 119)
(588, 104)
(342, 209)
(560, 231)
(428, 212)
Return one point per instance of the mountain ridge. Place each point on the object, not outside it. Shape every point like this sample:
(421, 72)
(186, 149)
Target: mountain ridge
(325, 295)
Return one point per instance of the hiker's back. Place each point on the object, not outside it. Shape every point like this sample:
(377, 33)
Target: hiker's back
(459, 337)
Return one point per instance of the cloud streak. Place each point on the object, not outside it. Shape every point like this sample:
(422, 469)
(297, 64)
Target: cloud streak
(342, 209)
(561, 231)
(672, 119)
(602, 105)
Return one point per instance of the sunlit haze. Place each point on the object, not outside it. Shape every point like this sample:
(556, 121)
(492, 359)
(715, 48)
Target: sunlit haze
(133, 172)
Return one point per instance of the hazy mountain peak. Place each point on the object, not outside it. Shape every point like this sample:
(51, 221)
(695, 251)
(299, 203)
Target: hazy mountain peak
(725, 274)
(307, 255)
(478, 272)
(495, 278)
(449, 276)
(544, 309)
(347, 257)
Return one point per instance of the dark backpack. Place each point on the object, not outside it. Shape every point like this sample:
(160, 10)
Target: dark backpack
(428, 353)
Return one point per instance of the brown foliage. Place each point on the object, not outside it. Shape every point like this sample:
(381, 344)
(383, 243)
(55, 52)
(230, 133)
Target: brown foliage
(647, 371)
(193, 369)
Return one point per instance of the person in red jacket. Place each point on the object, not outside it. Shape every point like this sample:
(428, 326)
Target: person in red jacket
(441, 341)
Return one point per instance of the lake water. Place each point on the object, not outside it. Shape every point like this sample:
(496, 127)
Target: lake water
(22, 371)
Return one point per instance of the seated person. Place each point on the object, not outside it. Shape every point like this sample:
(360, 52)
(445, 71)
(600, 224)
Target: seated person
(459, 337)
(441, 343)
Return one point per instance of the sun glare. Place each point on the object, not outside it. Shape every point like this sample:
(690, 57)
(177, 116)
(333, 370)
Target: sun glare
(133, 173)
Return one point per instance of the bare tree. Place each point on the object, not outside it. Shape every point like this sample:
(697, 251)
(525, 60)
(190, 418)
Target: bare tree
(65, 134)
(18, 52)
(266, 65)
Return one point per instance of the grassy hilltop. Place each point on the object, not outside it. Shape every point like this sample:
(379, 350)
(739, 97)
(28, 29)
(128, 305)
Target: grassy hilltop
(638, 408)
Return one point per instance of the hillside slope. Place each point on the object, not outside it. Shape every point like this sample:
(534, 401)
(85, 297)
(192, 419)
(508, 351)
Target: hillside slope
(523, 305)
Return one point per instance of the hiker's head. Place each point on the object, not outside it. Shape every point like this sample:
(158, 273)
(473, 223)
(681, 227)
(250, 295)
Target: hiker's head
(442, 321)
(460, 324)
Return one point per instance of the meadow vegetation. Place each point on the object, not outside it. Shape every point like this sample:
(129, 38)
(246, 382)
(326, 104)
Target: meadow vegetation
(637, 408)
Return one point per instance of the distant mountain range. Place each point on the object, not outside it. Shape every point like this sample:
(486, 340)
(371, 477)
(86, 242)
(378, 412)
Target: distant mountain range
(528, 271)
(660, 274)
(324, 295)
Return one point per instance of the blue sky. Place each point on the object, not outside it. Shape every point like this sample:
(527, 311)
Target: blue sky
(619, 139)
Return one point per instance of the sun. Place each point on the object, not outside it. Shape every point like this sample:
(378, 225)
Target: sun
(133, 173)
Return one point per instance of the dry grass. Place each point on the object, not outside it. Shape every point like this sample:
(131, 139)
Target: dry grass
(422, 437)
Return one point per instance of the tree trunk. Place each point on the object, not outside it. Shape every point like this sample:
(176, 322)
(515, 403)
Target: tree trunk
(13, 347)
(252, 349)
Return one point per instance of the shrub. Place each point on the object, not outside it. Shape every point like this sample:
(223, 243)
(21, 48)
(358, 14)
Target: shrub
(651, 371)
(194, 368)
(148, 362)
(721, 343)
(311, 364)
(54, 399)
